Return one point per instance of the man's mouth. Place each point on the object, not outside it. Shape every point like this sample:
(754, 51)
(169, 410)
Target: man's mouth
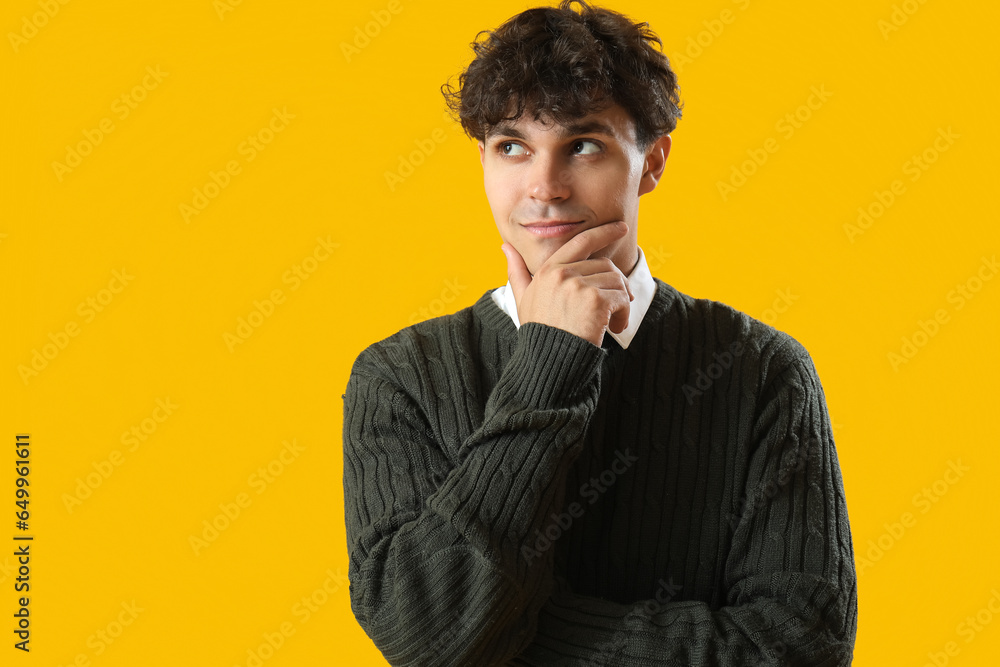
(552, 228)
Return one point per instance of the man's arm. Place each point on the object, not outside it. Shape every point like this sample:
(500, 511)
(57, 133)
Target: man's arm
(435, 566)
(791, 588)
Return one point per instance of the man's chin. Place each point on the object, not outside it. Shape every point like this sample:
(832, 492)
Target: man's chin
(538, 256)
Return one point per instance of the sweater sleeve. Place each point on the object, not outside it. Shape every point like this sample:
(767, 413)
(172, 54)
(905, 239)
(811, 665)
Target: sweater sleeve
(437, 577)
(791, 589)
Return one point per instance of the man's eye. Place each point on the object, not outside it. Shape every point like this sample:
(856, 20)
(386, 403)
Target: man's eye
(510, 148)
(586, 148)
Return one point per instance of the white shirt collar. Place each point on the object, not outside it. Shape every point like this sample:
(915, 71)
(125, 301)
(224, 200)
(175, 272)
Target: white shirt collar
(643, 289)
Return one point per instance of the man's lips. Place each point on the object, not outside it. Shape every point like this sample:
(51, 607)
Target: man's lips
(552, 228)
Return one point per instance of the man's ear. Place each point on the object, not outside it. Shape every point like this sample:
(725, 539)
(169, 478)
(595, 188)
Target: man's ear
(656, 160)
(482, 154)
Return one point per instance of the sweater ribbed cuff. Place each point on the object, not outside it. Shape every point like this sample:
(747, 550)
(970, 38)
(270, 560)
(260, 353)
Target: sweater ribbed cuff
(549, 367)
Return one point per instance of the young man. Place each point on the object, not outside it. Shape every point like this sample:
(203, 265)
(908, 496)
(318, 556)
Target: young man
(587, 467)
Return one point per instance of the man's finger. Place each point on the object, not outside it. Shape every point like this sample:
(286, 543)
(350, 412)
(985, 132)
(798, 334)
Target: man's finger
(619, 319)
(594, 267)
(589, 241)
(517, 271)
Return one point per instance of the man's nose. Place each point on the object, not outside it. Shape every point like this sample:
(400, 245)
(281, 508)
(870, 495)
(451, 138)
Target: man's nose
(549, 179)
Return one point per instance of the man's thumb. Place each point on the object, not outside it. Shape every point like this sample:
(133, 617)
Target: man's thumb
(517, 270)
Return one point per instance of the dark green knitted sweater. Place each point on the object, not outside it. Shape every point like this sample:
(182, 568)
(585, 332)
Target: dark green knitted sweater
(521, 496)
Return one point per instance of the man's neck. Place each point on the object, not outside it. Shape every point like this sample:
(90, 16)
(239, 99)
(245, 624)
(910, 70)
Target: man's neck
(627, 264)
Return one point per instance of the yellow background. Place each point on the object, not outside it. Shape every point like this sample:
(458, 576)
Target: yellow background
(776, 248)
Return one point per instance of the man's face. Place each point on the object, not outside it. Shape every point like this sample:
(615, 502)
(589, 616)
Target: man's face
(547, 182)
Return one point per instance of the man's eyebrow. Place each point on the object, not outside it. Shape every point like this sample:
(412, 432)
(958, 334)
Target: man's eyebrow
(505, 130)
(573, 129)
(588, 127)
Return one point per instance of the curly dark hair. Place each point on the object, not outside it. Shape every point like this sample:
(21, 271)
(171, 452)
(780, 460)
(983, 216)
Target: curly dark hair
(563, 64)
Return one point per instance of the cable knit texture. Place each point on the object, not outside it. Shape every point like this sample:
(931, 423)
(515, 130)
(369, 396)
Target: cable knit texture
(523, 497)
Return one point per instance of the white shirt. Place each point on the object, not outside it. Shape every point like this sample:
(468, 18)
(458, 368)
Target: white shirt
(643, 289)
